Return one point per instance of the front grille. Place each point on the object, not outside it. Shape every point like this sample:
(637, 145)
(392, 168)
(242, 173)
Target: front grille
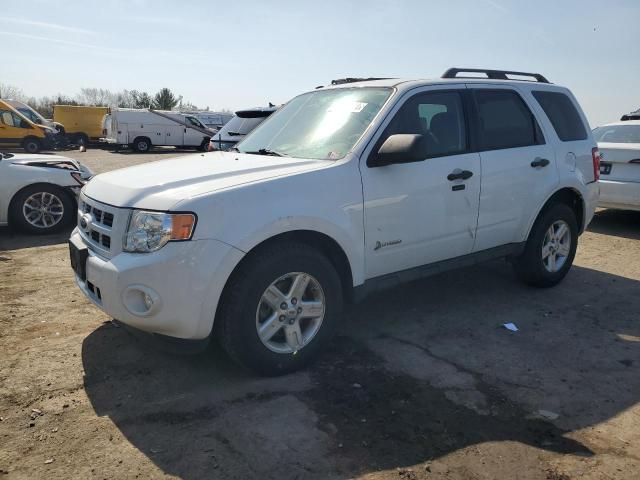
(102, 225)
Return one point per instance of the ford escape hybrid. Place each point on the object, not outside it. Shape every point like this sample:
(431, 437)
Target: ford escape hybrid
(344, 190)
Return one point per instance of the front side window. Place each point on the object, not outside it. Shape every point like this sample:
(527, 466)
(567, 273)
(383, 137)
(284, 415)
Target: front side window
(324, 124)
(562, 114)
(438, 117)
(13, 120)
(617, 134)
(505, 121)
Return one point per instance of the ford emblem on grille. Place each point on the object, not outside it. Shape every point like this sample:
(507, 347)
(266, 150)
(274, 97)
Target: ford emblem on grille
(85, 221)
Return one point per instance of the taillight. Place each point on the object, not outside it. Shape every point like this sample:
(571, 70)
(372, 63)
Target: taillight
(595, 155)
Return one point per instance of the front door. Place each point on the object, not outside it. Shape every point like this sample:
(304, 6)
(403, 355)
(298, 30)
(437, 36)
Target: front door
(13, 129)
(426, 211)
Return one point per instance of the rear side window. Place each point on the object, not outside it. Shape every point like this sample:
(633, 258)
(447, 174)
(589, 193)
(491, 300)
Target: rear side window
(563, 115)
(505, 121)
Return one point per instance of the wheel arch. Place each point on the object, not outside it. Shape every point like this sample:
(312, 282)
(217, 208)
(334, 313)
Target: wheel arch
(568, 196)
(317, 240)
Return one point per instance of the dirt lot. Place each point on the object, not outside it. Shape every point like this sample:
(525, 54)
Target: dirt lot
(421, 383)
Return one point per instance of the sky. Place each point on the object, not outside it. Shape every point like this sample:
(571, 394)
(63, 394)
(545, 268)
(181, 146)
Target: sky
(239, 54)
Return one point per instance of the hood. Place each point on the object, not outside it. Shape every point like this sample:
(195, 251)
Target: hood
(48, 161)
(161, 185)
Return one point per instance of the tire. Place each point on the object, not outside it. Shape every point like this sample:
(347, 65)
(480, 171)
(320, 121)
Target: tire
(23, 209)
(545, 261)
(204, 145)
(243, 307)
(31, 145)
(81, 140)
(141, 145)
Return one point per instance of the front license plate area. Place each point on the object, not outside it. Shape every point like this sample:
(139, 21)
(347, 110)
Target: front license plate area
(78, 257)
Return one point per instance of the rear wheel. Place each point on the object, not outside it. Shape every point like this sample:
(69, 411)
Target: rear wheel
(42, 209)
(550, 249)
(280, 309)
(141, 144)
(32, 145)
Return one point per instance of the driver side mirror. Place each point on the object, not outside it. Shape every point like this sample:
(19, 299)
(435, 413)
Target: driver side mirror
(400, 148)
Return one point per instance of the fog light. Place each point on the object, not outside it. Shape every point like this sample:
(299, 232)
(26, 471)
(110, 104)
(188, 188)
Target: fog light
(141, 301)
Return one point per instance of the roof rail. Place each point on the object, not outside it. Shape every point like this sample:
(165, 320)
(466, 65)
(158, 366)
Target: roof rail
(340, 81)
(631, 116)
(492, 74)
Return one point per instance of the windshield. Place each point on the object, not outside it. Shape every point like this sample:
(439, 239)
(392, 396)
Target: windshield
(31, 114)
(325, 124)
(618, 134)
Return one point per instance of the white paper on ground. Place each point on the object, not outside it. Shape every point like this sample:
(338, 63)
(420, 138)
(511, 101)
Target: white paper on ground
(510, 326)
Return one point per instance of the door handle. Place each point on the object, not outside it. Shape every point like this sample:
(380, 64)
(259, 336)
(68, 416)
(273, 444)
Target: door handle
(540, 162)
(459, 175)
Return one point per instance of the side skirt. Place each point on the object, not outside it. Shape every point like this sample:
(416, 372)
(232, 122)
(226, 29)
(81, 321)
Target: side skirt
(390, 280)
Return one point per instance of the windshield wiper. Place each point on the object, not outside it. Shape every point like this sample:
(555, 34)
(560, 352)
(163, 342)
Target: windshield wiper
(234, 149)
(234, 134)
(266, 151)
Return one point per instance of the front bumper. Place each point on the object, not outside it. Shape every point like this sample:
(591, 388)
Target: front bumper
(621, 195)
(184, 280)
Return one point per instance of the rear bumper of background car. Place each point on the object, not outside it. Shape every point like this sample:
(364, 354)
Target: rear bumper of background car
(620, 195)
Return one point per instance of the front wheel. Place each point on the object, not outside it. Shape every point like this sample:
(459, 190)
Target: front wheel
(32, 145)
(550, 249)
(280, 309)
(42, 209)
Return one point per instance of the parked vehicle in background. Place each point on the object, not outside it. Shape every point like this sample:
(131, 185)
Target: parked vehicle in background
(38, 192)
(143, 129)
(82, 125)
(213, 120)
(631, 116)
(619, 145)
(16, 130)
(35, 116)
(344, 191)
(239, 126)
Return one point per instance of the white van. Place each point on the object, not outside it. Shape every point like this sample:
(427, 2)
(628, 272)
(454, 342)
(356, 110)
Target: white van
(143, 129)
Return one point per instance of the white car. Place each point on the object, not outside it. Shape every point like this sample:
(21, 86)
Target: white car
(243, 122)
(343, 191)
(38, 192)
(619, 145)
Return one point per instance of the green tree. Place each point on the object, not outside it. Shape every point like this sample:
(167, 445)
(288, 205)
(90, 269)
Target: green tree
(165, 100)
(140, 99)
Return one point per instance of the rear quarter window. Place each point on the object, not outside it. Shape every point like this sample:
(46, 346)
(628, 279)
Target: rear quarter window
(563, 115)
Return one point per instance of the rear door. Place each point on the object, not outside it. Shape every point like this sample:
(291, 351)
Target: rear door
(518, 165)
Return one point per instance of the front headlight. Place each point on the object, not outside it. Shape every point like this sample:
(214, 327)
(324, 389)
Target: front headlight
(150, 231)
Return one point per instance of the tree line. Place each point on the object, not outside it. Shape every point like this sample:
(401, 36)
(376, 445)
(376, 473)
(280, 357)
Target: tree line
(164, 99)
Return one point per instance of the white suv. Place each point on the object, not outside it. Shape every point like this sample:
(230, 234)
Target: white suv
(344, 190)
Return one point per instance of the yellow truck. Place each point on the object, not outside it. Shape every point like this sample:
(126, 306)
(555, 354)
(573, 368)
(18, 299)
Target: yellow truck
(16, 130)
(82, 124)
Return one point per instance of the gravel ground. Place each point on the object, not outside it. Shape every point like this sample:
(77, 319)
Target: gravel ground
(421, 383)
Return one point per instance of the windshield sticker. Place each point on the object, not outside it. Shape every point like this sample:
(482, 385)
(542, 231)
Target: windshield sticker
(347, 107)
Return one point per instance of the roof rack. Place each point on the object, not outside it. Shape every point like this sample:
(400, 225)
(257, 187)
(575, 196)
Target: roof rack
(492, 74)
(340, 81)
(631, 116)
